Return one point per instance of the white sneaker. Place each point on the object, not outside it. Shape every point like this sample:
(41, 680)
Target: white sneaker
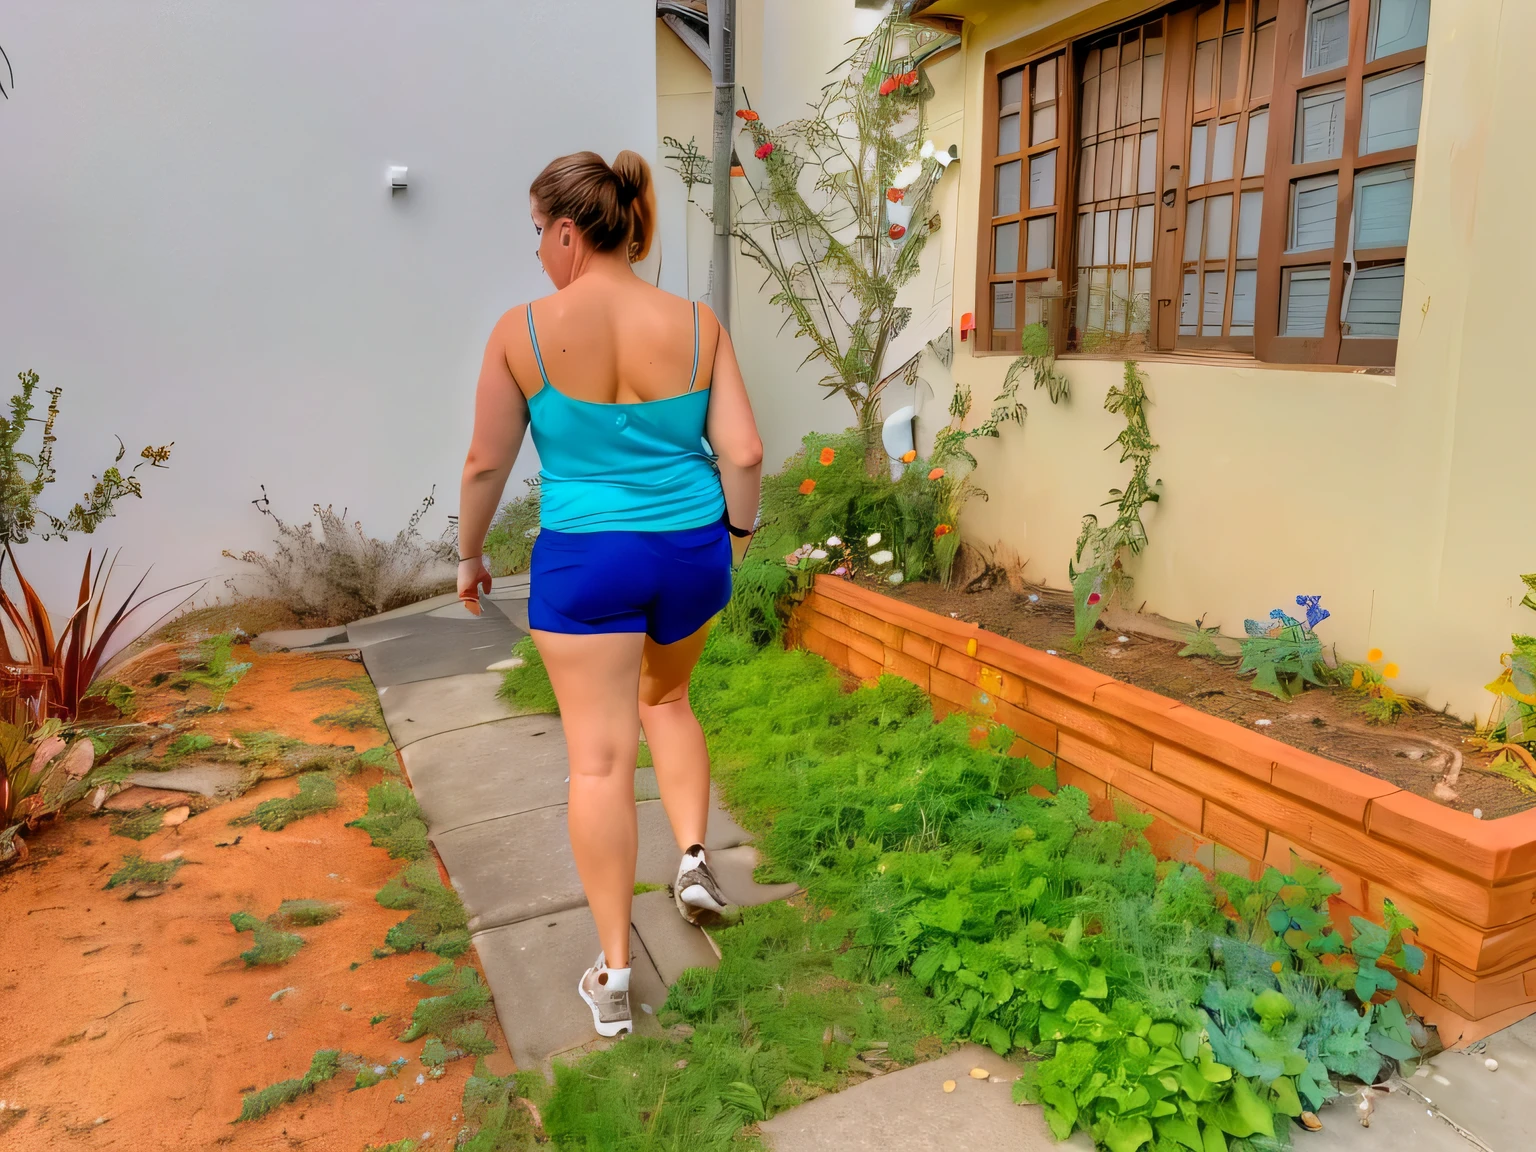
(606, 991)
(696, 892)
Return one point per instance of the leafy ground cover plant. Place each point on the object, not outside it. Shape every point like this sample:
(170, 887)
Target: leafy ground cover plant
(343, 574)
(36, 777)
(1284, 654)
(317, 793)
(1098, 571)
(270, 944)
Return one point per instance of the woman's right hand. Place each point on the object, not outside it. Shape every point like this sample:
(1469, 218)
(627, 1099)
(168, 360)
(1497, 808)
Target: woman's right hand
(474, 577)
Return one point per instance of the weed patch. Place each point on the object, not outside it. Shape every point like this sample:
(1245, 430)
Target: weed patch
(526, 688)
(359, 716)
(139, 825)
(304, 913)
(466, 1002)
(437, 923)
(322, 1067)
(317, 793)
(393, 821)
(136, 870)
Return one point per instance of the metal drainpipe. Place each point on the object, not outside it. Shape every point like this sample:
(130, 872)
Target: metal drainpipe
(722, 66)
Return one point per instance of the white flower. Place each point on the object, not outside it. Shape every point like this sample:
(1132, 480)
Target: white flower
(884, 556)
(873, 540)
(834, 542)
(895, 577)
(818, 554)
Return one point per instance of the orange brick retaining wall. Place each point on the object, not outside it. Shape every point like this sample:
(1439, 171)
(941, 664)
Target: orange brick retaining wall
(1228, 798)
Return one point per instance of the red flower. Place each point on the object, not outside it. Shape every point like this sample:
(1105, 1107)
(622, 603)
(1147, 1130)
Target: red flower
(943, 530)
(1094, 598)
(807, 487)
(936, 474)
(888, 85)
(764, 150)
(909, 79)
(897, 231)
(827, 456)
(747, 114)
(894, 195)
(909, 455)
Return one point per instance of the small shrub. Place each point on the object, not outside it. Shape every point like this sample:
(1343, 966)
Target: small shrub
(322, 1067)
(527, 688)
(393, 821)
(1513, 718)
(343, 574)
(317, 793)
(136, 870)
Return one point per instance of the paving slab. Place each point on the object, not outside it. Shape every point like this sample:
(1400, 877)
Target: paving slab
(515, 608)
(533, 969)
(733, 868)
(488, 771)
(286, 639)
(203, 779)
(422, 708)
(1497, 1107)
(1399, 1123)
(646, 787)
(434, 648)
(659, 855)
(512, 868)
(415, 609)
(910, 1111)
(673, 944)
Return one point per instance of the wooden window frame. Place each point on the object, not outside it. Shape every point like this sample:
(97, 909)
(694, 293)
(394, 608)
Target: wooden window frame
(1334, 347)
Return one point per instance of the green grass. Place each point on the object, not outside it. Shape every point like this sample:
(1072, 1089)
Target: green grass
(304, 913)
(187, 744)
(136, 870)
(361, 715)
(642, 888)
(437, 923)
(393, 821)
(139, 825)
(526, 688)
(324, 1065)
(317, 793)
(467, 1001)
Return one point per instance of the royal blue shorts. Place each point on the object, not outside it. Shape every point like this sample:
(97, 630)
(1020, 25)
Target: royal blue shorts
(665, 584)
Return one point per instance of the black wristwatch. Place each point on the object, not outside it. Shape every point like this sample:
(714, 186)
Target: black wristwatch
(739, 533)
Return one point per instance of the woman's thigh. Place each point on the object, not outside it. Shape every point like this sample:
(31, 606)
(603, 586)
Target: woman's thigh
(666, 668)
(596, 679)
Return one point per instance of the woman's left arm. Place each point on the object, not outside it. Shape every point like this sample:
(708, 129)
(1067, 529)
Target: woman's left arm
(501, 419)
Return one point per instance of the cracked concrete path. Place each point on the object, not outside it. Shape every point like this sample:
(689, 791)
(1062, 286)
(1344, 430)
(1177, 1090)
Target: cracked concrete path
(492, 786)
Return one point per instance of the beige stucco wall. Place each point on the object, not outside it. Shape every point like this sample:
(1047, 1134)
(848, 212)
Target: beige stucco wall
(1403, 499)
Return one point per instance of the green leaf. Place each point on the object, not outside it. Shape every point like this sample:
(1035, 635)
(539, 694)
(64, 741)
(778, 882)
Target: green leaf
(1127, 1135)
(1243, 1113)
(1177, 1130)
(1000, 985)
(1073, 936)
(1283, 1096)
(1272, 1008)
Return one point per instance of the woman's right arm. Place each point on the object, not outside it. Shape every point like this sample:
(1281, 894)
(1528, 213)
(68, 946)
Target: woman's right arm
(732, 433)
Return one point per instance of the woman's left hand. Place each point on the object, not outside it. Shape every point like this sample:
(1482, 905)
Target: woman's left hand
(474, 578)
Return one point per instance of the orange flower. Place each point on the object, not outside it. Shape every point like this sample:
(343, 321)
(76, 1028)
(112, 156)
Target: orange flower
(936, 474)
(908, 456)
(827, 456)
(1373, 655)
(807, 487)
(894, 195)
(1389, 672)
(943, 530)
(747, 114)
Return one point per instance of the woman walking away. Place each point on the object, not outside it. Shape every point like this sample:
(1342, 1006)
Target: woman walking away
(650, 481)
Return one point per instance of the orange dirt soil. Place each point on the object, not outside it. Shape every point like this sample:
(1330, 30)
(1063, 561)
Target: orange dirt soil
(132, 1023)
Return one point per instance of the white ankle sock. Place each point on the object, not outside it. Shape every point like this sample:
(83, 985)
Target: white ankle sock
(618, 978)
(691, 860)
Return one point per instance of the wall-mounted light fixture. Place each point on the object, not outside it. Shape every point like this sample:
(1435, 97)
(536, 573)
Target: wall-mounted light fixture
(395, 178)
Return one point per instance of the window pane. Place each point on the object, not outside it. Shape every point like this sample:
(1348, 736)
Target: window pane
(1084, 239)
(1123, 235)
(1141, 299)
(1263, 63)
(1007, 188)
(1005, 248)
(1392, 105)
(1250, 214)
(1226, 146)
(1327, 35)
(1304, 301)
(1042, 126)
(1008, 134)
(1040, 244)
(1010, 91)
(1215, 302)
(1189, 305)
(1145, 230)
(1045, 81)
(1104, 173)
(1245, 286)
(1083, 293)
(1192, 219)
(1376, 302)
(1109, 91)
(1146, 171)
(1398, 25)
(1258, 143)
(1119, 299)
(1231, 64)
(1130, 92)
(1085, 174)
(1033, 312)
(1197, 136)
(1314, 211)
(1383, 201)
(1098, 290)
(1088, 113)
(1126, 148)
(1003, 312)
(1320, 125)
(1042, 179)
(1218, 227)
(1152, 82)
(1101, 237)
(1205, 75)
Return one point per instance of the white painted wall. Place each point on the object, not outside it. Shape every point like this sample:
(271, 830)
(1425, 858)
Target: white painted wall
(198, 245)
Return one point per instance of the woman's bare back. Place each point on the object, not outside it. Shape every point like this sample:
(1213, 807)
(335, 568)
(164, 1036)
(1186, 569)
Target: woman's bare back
(611, 340)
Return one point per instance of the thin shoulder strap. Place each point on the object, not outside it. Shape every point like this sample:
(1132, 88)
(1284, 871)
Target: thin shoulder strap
(534, 338)
(694, 379)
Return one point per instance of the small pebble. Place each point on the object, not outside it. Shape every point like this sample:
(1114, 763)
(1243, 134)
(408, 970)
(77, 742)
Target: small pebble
(979, 1073)
(271, 1035)
(1477, 813)
(1263, 723)
(378, 1069)
(1491, 1064)
(647, 1009)
(1439, 1079)
(346, 1007)
(420, 1079)
(949, 1085)
(400, 1099)
(281, 992)
(680, 1065)
(176, 855)
(1122, 639)
(1034, 597)
(100, 1120)
(1050, 651)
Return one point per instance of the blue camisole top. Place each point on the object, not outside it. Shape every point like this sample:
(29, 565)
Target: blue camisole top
(635, 467)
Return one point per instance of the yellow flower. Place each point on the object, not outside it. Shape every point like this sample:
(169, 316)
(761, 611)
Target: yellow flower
(1389, 672)
(1373, 655)
(1357, 679)
(1275, 967)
